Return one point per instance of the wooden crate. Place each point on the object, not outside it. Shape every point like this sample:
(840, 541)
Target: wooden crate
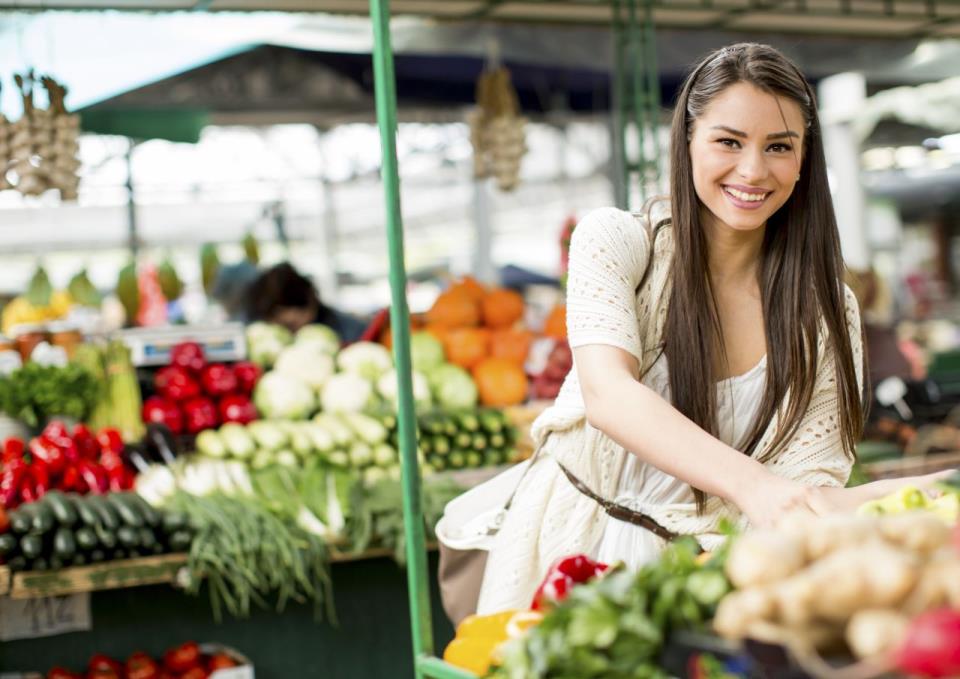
(148, 570)
(912, 466)
(4, 580)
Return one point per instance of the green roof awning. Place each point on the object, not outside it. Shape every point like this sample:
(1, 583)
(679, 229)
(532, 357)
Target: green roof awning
(174, 125)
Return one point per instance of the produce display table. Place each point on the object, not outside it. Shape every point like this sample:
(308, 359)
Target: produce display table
(370, 639)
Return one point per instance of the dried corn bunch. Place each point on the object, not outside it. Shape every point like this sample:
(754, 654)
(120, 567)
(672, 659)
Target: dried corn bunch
(497, 130)
(43, 143)
(5, 134)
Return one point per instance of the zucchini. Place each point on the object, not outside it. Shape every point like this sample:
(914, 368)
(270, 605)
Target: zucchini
(109, 518)
(17, 563)
(62, 507)
(151, 516)
(43, 517)
(128, 536)
(119, 554)
(87, 514)
(173, 521)
(86, 538)
(97, 555)
(31, 545)
(39, 564)
(129, 513)
(157, 548)
(79, 559)
(64, 543)
(107, 538)
(8, 543)
(180, 541)
(54, 563)
(20, 521)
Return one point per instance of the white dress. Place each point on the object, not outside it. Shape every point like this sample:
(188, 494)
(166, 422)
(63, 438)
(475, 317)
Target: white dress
(738, 400)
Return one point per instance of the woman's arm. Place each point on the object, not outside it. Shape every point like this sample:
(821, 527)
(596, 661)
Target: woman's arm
(642, 422)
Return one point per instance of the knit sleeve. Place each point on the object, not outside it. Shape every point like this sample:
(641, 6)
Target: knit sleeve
(815, 455)
(609, 252)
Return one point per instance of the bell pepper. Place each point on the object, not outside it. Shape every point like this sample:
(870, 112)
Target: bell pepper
(110, 440)
(100, 662)
(121, 478)
(49, 453)
(183, 657)
(163, 411)
(247, 374)
(478, 638)
(931, 647)
(200, 414)
(195, 673)
(176, 384)
(13, 449)
(237, 408)
(4, 521)
(189, 356)
(562, 576)
(11, 479)
(94, 476)
(34, 483)
(141, 666)
(71, 481)
(218, 379)
(87, 445)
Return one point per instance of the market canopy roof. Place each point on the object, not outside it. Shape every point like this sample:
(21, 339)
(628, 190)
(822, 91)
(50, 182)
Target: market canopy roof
(907, 18)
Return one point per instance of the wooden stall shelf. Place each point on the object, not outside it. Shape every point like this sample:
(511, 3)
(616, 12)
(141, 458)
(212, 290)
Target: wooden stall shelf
(149, 570)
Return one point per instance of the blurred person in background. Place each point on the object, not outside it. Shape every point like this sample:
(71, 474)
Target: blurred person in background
(284, 296)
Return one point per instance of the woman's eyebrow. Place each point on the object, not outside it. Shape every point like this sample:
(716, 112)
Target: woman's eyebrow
(738, 133)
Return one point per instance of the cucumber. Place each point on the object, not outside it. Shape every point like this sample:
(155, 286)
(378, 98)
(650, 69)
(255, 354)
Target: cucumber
(129, 513)
(119, 554)
(8, 543)
(87, 514)
(147, 538)
(128, 536)
(109, 518)
(97, 555)
(20, 521)
(157, 548)
(31, 545)
(39, 564)
(86, 538)
(64, 543)
(151, 516)
(17, 563)
(173, 521)
(107, 538)
(54, 563)
(79, 559)
(180, 541)
(62, 507)
(43, 518)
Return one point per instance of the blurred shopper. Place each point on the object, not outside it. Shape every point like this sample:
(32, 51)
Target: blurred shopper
(283, 295)
(718, 357)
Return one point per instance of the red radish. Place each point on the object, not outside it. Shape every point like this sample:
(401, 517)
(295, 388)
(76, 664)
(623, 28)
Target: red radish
(932, 645)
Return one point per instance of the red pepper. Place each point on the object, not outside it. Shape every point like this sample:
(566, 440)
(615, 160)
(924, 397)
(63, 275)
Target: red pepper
(932, 645)
(562, 576)
(580, 568)
(13, 449)
(121, 478)
(11, 480)
(176, 384)
(141, 666)
(94, 476)
(4, 521)
(34, 483)
(220, 661)
(183, 657)
(188, 355)
(56, 429)
(87, 445)
(103, 662)
(71, 481)
(164, 411)
(237, 408)
(48, 452)
(109, 460)
(110, 439)
(200, 414)
(247, 374)
(61, 673)
(103, 673)
(218, 379)
(195, 673)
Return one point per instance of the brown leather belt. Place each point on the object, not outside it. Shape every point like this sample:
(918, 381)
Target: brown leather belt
(620, 512)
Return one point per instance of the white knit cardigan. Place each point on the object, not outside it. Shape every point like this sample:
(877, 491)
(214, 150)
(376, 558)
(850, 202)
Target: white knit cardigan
(609, 253)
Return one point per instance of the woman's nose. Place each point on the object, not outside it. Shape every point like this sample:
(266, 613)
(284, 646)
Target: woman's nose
(752, 166)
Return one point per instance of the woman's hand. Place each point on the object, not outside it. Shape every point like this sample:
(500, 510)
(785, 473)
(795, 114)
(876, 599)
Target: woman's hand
(774, 497)
(878, 489)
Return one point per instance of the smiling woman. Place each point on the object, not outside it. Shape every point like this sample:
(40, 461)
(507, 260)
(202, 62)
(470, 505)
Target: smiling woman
(718, 361)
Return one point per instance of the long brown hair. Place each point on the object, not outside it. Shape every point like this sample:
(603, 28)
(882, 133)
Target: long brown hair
(800, 255)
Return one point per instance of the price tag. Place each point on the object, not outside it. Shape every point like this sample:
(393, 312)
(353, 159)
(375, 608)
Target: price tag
(44, 617)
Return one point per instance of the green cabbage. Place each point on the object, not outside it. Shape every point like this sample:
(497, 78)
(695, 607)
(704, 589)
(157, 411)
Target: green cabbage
(452, 387)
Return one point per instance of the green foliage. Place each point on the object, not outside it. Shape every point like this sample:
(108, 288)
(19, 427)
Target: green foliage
(36, 393)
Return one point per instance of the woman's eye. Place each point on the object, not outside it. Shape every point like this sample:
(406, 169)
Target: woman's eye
(780, 148)
(729, 143)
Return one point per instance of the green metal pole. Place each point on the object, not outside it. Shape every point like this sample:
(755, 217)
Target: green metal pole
(620, 108)
(636, 56)
(386, 97)
(653, 87)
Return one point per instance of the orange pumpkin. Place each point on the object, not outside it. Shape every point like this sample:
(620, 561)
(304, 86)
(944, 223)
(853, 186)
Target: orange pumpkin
(466, 346)
(513, 345)
(556, 323)
(500, 381)
(470, 286)
(454, 309)
(502, 308)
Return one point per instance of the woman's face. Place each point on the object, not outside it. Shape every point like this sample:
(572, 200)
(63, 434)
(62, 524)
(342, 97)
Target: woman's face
(745, 160)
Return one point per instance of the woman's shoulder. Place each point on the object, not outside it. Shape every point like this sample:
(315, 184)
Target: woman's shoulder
(629, 232)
